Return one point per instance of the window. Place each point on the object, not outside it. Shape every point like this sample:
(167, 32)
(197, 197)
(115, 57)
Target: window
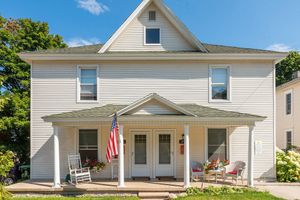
(288, 102)
(289, 139)
(88, 144)
(152, 36)
(88, 83)
(152, 15)
(217, 144)
(219, 83)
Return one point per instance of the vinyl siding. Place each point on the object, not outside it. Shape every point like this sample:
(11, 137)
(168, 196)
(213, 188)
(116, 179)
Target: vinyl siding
(288, 122)
(54, 91)
(132, 39)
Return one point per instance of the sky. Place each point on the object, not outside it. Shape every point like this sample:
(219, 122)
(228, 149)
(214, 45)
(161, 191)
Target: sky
(263, 24)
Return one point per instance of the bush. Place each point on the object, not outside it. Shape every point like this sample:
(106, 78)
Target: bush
(6, 163)
(194, 191)
(288, 166)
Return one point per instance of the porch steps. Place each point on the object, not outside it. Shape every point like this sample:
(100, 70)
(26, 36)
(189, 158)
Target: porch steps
(153, 195)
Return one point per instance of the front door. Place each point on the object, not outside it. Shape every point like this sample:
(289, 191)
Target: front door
(164, 155)
(141, 154)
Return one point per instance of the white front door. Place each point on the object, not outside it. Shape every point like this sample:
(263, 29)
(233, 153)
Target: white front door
(164, 153)
(141, 163)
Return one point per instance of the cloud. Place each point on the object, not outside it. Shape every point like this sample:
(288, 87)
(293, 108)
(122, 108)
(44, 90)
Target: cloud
(280, 47)
(92, 6)
(75, 42)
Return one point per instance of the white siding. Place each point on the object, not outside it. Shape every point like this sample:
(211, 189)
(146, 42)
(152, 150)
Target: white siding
(54, 91)
(132, 39)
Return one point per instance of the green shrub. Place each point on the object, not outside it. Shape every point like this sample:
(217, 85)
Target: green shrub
(6, 163)
(211, 190)
(288, 166)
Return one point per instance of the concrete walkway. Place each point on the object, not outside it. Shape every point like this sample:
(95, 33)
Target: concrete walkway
(290, 192)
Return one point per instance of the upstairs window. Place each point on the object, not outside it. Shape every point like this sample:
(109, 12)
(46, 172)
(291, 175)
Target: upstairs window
(288, 103)
(152, 36)
(219, 83)
(87, 84)
(152, 16)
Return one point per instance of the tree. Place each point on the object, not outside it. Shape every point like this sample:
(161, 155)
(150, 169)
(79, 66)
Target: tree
(17, 35)
(286, 68)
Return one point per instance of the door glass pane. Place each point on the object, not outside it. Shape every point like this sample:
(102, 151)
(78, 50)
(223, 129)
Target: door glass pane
(217, 144)
(164, 149)
(140, 146)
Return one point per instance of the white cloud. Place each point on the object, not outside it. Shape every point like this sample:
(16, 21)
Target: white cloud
(75, 42)
(280, 47)
(92, 6)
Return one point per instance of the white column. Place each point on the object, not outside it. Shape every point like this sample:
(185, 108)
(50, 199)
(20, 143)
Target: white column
(250, 156)
(186, 156)
(56, 183)
(121, 158)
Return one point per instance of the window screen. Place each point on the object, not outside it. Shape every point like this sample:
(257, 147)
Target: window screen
(152, 15)
(152, 36)
(289, 142)
(217, 144)
(219, 83)
(88, 84)
(88, 144)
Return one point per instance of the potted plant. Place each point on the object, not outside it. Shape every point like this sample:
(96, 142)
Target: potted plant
(94, 165)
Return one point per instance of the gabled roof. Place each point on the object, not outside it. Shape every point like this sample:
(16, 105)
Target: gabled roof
(169, 15)
(194, 111)
(158, 98)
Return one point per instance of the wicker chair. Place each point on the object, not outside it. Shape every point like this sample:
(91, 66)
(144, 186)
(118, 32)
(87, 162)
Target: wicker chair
(235, 171)
(197, 171)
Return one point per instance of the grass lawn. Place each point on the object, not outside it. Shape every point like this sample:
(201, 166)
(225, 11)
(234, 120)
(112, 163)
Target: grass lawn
(243, 196)
(79, 198)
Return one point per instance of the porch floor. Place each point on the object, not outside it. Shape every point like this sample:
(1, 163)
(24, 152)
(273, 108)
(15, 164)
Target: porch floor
(108, 187)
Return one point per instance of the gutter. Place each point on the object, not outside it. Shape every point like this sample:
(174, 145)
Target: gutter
(151, 56)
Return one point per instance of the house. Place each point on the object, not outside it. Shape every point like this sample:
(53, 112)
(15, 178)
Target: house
(166, 87)
(288, 113)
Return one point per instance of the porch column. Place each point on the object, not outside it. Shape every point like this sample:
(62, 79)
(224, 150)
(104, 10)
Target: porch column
(121, 157)
(250, 156)
(56, 183)
(186, 156)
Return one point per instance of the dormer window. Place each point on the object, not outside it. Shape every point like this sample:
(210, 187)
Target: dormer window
(152, 36)
(152, 15)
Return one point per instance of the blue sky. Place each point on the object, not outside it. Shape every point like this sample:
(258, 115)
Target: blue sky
(265, 24)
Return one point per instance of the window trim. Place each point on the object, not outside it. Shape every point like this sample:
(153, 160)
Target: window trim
(285, 137)
(145, 30)
(79, 67)
(220, 66)
(227, 141)
(99, 144)
(285, 102)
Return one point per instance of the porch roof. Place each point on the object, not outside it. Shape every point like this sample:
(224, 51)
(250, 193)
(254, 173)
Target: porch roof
(199, 113)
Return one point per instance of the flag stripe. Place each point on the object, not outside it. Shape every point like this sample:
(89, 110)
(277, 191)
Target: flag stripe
(112, 144)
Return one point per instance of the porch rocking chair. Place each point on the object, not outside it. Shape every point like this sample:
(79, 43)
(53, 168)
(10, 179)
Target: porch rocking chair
(197, 171)
(77, 173)
(235, 171)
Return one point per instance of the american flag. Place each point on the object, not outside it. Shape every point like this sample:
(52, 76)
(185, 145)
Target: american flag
(112, 144)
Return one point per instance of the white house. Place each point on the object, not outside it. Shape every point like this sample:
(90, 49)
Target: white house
(165, 86)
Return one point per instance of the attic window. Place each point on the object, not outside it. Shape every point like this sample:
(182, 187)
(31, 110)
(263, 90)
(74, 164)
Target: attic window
(152, 36)
(152, 15)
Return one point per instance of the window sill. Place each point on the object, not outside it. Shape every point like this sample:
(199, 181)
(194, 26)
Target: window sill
(219, 101)
(152, 44)
(87, 102)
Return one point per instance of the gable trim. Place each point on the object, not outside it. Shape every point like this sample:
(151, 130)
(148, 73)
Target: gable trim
(170, 16)
(159, 99)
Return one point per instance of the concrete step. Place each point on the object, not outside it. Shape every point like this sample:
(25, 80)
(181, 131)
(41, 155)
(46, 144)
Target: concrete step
(153, 195)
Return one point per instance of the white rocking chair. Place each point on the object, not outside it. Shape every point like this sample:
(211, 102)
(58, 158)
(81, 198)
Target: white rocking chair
(77, 173)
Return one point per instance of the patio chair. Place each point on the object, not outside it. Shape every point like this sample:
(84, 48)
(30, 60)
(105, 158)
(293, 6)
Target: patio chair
(77, 173)
(197, 171)
(235, 171)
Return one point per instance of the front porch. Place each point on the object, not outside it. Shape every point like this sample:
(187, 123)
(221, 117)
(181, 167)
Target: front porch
(107, 187)
(151, 132)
